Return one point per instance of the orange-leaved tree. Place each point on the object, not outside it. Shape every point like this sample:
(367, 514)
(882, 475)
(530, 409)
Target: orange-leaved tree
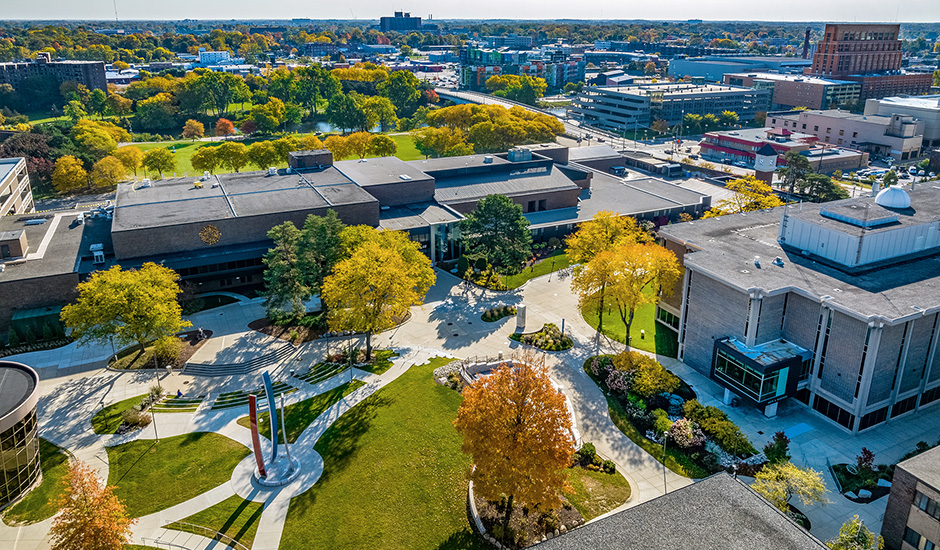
(90, 516)
(516, 426)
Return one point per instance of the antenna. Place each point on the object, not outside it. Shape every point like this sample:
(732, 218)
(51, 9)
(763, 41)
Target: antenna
(115, 12)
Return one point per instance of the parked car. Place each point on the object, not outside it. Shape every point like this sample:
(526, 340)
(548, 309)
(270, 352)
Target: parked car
(740, 164)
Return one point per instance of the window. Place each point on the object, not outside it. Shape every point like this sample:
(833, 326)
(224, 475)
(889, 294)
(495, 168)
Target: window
(917, 540)
(757, 386)
(833, 412)
(828, 130)
(841, 132)
(927, 504)
(929, 396)
(855, 134)
(903, 406)
(815, 128)
(873, 418)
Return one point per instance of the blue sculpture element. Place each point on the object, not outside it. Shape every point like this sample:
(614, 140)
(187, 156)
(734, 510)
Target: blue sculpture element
(272, 410)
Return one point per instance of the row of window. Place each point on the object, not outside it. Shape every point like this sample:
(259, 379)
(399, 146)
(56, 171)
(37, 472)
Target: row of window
(224, 266)
(927, 504)
(917, 540)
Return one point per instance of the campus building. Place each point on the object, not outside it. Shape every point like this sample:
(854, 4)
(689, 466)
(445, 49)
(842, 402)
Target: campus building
(479, 64)
(19, 435)
(213, 230)
(790, 90)
(91, 74)
(833, 304)
(897, 136)
(712, 68)
(924, 108)
(912, 516)
(869, 54)
(743, 145)
(620, 108)
(16, 195)
(402, 22)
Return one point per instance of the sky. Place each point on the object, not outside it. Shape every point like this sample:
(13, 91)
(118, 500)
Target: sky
(748, 10)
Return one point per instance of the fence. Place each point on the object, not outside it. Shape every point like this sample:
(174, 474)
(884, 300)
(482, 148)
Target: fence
(212, 534)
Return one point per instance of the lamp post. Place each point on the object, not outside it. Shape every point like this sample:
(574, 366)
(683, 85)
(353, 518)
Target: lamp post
(665, 487)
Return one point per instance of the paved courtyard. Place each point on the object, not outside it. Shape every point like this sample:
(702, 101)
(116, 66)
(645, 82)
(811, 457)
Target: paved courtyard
(74, 385)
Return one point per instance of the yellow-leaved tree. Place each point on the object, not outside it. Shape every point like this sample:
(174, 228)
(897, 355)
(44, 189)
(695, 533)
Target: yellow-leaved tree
(131, 157)
(90, 516)
(749, 194)
(371, 290)
(780, 482)
(69, 174)
(516, 427)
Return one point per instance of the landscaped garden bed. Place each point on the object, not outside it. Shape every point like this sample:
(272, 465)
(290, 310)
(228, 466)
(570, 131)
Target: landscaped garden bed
(127, 415)
(549, 338)
(864, 481)
(648, 403)
(173, 352)
(496, 313)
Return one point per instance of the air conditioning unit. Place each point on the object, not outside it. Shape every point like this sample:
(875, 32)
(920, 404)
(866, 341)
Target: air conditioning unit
(97, 252)
(272, 171)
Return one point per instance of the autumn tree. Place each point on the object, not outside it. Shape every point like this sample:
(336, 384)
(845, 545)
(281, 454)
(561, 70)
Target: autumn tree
(516, 426)
(441, 142)
(372, 289)
(224, 127)
(603, 232)
(205, 159)
(119, 105)
(383, 146)
(131, 157)
(232, 155)
(159, 160)
(360, 144)
(853, 535)
(69, 174)
(497, 230)
(780, 482)
(91, 517)
(107, 172)
(339, 146)
(193, 129)
(133, 306)
(748, 194)
(310, 143)
(262, 154)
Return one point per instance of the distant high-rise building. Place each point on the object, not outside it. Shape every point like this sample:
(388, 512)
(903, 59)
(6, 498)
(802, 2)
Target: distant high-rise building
(88, 73)
(401, 22)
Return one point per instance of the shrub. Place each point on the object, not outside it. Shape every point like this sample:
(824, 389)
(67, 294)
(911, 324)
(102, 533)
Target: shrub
(481, 264)
(715, 423)
(865, 461)
(550, 521)
(29, 336)
(133, 417)
(13, 339)
(48, 333)
(463, 264)
(610, 467)
(650, 377)
(778, 450)
(686, 433)
(167, 349)
(585, 455)
(661, 422)
(554, 242)
(294, 335)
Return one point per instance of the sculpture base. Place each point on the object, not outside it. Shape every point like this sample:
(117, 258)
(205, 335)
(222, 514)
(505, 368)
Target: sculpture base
(279, 473)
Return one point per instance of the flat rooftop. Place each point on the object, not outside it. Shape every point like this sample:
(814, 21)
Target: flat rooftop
(717, 512)
(525, 180)
(925, 467)
(673, 90)
(415, 216)
(770, 353)
(380, 171)
(178, 201)
(846, 115)
(16, 385)
(781, 77)
(760, 134)
(455, 163)
(592, 152)
(53, 246)
(7, 165)
(727, 246)
(919, 102)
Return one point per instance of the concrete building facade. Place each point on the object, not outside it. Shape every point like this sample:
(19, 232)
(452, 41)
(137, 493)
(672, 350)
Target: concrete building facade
(744, 145)
(924, 108)
(791, 91)
(897, 136)
(713, 67)
(91, 74)
(837, 296)
(16, 195)
(912, 515)
(401, 22)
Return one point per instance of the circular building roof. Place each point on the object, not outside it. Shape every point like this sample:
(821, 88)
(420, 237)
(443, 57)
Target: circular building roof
(893, 197)
(17, 392)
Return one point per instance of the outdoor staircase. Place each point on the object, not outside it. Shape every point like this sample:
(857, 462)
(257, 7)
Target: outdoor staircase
(228, 369)
(320, 372)
(239, 398)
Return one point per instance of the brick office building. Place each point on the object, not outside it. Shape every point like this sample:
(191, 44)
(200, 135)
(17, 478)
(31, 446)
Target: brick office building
(897, 136)
(912, 516)
(833, 304)
(91, 74)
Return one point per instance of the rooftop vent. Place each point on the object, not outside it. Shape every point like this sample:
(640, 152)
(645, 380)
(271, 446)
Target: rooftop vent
(144, 184)
(405, 177)
(778, 261)
(272, 171)
(487, 159)
(205, 175)
(757, 261)
(97, 252)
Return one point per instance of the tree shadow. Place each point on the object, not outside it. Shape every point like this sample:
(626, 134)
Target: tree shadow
(458, 320)
(340, 442)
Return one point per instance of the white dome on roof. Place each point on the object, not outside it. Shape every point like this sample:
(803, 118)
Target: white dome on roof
(893, 197)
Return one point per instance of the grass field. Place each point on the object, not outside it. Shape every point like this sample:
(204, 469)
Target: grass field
(186, 148)
(150, 476)
(234, 517)
(393, 477)
(556, 262)
(658, 338)
(596, 493)
(40, 503)
(299, 415)
(108, 419)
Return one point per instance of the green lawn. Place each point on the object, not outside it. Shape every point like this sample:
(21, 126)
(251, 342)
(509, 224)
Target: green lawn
(596, 493)
(186, 148)
(556, 262)
(150, 476)
(659, 338)
(234, 517)
(299, 415)
(394, 476)
(108, 419)
(381, 361)
(40, 503)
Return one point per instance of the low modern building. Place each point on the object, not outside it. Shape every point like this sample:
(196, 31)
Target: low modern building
(621, 108)
(743, 145)
(790, 90)
(713, 67)
(16, 195)
(897, 136)
(924, 108)
(91, 74)
(19, 434)
(839, 296)
(717, 512)
(912, 516)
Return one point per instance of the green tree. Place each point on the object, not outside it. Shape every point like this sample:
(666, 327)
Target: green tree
(379, 110)
(134, 306)
(497, 230)
(374, 287)
(821, 188)
(795, 172)
(890, 178)
(98, 102)
(316, 83)
(269, 117)
(69, 174)
(441, 142)
(156, 112)
(853, 535)
(232, 155)
(343, 112)
(159, 160)
(75, 110)
(780, 482)
(383, 146)
(262, 154)
(401, 88)
(205, 159)
(320, 248)
(219, 90)
(285, 290)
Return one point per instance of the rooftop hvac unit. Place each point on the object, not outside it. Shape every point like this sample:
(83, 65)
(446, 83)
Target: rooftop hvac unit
(205, 175)
(272, 171)
(144, 184)
(97, 252)
(487, 159)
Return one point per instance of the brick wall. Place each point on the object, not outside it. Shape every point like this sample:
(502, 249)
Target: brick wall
(771, 315)
(800, 323)
(885, 363)
(918, 349)
(843, 356)
(398, 193)
(675, 299)
(565, 198)
(898, 509)
(715, 311)
(56, 290)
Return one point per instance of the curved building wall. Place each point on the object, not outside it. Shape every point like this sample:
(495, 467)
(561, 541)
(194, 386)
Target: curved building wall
(19, 437)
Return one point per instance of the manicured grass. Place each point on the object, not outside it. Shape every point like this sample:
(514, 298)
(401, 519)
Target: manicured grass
(299, 415)
(559, 260)
(151, 476)
(659, 338)
(40, 503)
(394, 476)
(132, 358)
(381, 361)
(596, 493)
(234, 517)
(108, 419)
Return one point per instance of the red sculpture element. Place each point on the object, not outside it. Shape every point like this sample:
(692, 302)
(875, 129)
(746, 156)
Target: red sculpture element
(255, 439)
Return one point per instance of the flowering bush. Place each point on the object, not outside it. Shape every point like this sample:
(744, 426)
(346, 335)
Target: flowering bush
(618, 380)
(686, 433)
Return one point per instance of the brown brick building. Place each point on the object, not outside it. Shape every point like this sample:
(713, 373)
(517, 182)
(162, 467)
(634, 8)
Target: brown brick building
(912, 516)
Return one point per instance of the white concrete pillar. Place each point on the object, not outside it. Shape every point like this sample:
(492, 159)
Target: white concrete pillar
(753, 319)
(729, 395)
(770, 410)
